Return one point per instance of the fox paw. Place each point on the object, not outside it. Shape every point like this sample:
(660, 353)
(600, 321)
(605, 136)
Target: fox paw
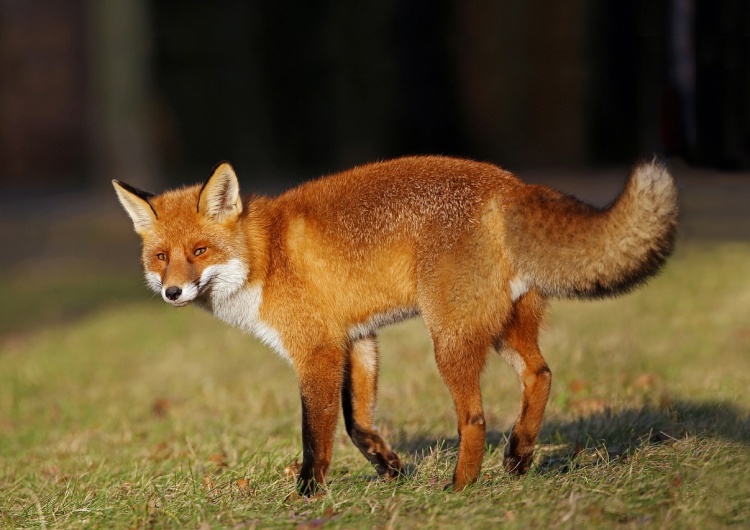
(518, 465)
(390, 467)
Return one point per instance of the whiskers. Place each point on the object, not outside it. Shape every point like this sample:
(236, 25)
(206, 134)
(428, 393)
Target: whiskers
(218, 286)
(153, 282)
(224, 279)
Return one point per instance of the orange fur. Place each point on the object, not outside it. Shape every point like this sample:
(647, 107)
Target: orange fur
(316, 271)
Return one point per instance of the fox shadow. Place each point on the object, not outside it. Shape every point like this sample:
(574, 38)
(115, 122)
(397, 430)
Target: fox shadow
(615, 434)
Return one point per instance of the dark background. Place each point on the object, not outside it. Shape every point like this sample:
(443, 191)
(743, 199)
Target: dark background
(156, 93)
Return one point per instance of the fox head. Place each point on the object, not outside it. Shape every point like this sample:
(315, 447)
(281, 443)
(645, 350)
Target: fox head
(193, 243)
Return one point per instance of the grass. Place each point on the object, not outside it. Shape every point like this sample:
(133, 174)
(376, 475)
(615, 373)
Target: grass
(134, 415)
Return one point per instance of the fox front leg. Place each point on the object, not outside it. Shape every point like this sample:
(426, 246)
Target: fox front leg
(320, 380)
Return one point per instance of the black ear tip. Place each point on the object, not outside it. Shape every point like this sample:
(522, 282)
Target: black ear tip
(220, 164)
(145, 195)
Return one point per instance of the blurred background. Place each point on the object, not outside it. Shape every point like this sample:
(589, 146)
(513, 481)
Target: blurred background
(157, 92)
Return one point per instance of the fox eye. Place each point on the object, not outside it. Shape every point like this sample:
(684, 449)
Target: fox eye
(199, 251)
(162, 256)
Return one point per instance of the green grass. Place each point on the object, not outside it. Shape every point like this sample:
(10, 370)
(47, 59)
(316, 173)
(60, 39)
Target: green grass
(134, 415)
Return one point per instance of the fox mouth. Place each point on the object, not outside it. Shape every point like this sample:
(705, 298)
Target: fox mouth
(178, 302)
(177, 296)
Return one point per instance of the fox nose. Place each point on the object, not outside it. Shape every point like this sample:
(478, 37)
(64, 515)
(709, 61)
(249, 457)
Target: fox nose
(173, 292)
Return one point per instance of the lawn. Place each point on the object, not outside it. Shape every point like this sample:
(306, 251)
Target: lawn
(119, 412)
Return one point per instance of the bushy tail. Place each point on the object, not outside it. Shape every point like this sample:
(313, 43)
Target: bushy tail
(567, 248)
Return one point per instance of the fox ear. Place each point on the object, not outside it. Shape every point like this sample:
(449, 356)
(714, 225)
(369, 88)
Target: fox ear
(220, 196)
(136, 203)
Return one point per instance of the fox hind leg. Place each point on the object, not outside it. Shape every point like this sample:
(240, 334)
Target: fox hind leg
(461, 363)
(520, 348)
(358, 397)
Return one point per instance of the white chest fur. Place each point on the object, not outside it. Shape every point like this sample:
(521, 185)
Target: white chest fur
(242, 310)
(238, 304)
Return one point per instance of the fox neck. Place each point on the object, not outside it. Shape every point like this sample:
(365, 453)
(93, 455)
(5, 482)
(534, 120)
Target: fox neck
(256, 225)
(239, 306)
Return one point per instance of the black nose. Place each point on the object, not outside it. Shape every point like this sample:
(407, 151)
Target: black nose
(173, 292)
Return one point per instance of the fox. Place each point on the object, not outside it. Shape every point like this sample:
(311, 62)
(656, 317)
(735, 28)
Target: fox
(318, 270)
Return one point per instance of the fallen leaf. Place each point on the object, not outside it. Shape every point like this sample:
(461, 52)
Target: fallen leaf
(56, 475)
(577, 385)
(52, 471)
(161, 451)
(646, 381)
(328, 515)
(292, 470)
(161, 407)
(208, 483)
(219, 460)
(588, 406)
(312, 523)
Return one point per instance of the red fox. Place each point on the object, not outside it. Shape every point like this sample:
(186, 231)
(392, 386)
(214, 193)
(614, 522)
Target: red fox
(315, 272)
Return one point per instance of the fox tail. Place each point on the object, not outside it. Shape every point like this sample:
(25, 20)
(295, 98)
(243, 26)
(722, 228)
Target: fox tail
(567, 248)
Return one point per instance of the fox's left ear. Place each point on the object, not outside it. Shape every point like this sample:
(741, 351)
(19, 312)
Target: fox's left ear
(220, 196)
